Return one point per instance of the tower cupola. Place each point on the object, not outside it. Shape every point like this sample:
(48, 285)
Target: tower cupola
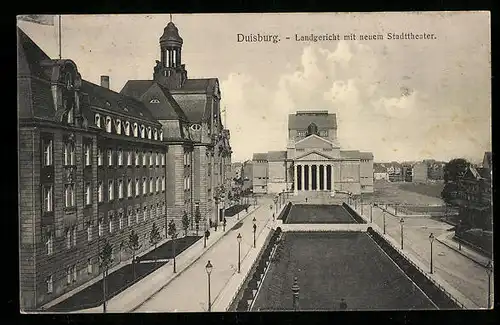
(171, 46)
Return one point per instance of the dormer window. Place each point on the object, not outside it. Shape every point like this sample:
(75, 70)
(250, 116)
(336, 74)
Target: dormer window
(161, 135)
(149, 132)
(154, 101)
(108, 103)
(143, 131)
(155, 134)
(127, 128)
(118, 126)
(135, 130)
(195, 127)
(97, 120)
(108, 124)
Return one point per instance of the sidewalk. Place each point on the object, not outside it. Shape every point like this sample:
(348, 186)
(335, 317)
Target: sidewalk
(189, 293)
(422, 263)
(447, 239)
(136, 294)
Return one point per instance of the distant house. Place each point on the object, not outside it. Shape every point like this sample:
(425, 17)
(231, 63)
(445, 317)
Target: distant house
(380, 172)
(260, 172)
(488, 161)
(394, 170)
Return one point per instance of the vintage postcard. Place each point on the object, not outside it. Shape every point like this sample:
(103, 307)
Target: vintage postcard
(254, 162)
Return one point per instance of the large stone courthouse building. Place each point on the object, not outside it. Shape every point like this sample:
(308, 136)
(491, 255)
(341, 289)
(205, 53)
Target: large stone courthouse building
(96, 164)
(313, 161)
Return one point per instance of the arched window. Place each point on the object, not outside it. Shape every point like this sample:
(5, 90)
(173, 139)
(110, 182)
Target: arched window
(97, 120)
(161, 135)
(135, 130)
(154, 101)
(155, 134)
(108, 124)
(118, 126)
(149, 132)
(195, 127)
(312, 129)
(127, 128)
(143, 132)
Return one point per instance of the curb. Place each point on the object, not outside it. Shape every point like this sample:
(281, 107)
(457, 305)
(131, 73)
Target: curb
(189, 264)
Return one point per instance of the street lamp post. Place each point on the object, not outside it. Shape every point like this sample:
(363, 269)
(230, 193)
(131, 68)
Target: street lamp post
(431, 240)
(371, 213)
(383, 215)
(254, 231)
(489, 270)
(239, 252)
(401, 222)
(295, 290)
(208, 268)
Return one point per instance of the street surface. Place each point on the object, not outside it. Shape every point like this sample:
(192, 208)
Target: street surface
(188, 292)
(460, 272)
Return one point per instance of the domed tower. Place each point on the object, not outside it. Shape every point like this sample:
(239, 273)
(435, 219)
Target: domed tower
(170, 72)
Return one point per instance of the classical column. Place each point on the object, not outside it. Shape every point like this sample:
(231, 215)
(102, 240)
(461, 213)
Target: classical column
(309, 178)
(332, 182)
(302, 177)
(295, 179)
(324, 177)
(317, 177)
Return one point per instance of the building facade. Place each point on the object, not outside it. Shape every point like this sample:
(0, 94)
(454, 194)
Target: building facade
(95, 164)
(316, 161)
(420, 172)
(260, 173)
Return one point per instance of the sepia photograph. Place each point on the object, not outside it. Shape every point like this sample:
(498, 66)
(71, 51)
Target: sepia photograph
(254, 162)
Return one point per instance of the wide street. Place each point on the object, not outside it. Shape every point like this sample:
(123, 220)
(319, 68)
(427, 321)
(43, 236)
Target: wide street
(188, 292)
(467, 277)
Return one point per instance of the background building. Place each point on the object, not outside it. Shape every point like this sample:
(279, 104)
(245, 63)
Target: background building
(260, 173)
(380, 172)
(247, 176)
(420, 172)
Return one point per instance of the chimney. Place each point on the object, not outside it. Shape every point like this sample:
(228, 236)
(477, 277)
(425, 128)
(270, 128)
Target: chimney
(105, 81)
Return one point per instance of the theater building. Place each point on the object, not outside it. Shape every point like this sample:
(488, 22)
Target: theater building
(95, 164)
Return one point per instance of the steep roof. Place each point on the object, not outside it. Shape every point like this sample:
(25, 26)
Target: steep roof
(194, 107)
(276, 155)
(488, 158)
(115, 102)
(30, 56)
(301, 120)
(136, 88)
(366, 155)
(199, 86)
(260, 156)
(167, 108)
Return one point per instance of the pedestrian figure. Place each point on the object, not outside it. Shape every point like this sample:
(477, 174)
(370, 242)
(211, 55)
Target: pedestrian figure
(246, 209)
(273, 216)
(343, 304)
(215, 226)
(306, 200)
(224, 225)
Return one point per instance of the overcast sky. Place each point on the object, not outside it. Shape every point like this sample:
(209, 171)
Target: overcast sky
(400, 99)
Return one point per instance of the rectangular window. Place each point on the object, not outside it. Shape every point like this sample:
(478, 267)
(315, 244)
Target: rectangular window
(163, 183)
(88, 161)
(110, 157)
(151, 188)
(110, 223)
(68, 238)
(157, 155)
(50, 284)
(163, 159)
(163, 208)
(100, 228)
(129, 219)
(68, 275)
(89, 232)
(100, 191)
(129, 188)
(88, 194)
(144, 186)
(137, 187)
(75, 274)
(129, 158)
(50, 244)
(99, 157)
(69, 195)
(151, 158)
(144, 159)
(120, 221)
(145, 214)
(74, 236)
(111, 194)
(120, 189)
(157, 184)
(48, 197)
(69, 154)
(137, 158)
(120, 157)
(47, 151)
(89, 266)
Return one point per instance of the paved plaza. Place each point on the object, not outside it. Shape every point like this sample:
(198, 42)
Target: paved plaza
(337, 265)
(318, 213)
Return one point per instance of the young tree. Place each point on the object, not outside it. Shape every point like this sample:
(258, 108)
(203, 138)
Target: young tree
(134, 246)
(185, 223)
(197, 219)
(172, 232)
(154, 235)
(105, 260)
